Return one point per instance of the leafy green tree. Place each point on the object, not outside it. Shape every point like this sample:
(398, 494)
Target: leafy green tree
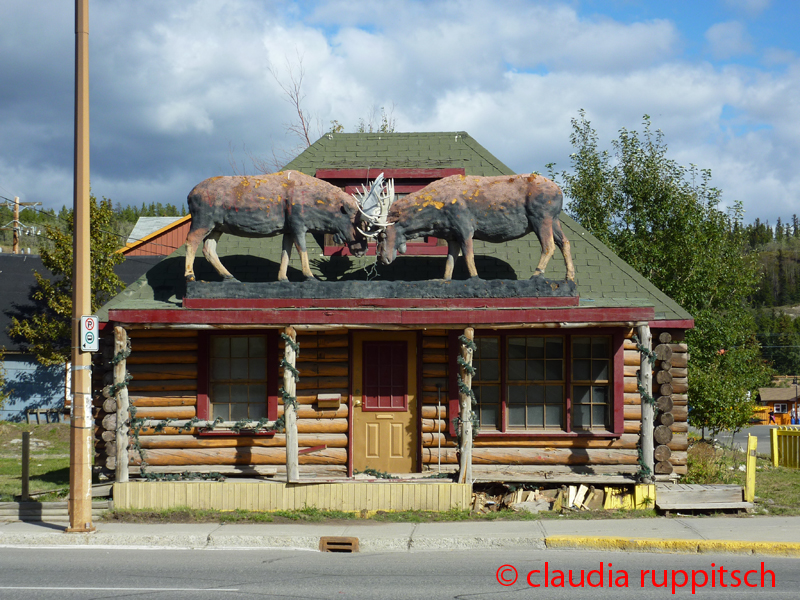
(47, 333)
(664, 220)
(4, 393)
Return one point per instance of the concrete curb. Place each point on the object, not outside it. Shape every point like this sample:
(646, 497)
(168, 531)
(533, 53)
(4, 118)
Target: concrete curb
(621, 544)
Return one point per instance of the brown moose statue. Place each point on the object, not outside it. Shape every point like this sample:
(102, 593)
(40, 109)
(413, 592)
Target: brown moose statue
(461, 208)
(289, 203)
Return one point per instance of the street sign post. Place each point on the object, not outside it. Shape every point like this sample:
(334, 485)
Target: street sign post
(90, 335)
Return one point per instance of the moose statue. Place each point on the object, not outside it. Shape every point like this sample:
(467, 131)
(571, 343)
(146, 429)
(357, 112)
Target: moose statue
(461, 208)
(288, 202)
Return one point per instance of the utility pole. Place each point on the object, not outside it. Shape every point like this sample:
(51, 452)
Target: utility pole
(81, 430)
(15, 224)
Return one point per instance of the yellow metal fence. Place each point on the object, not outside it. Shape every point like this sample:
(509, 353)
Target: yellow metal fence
(785, 445)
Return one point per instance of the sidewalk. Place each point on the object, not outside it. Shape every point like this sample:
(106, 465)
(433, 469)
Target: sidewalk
(777, 536)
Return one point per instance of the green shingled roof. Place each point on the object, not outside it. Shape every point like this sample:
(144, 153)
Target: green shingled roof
(602, 278)
(453, 149)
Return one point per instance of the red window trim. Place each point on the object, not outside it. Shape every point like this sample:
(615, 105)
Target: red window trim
(617, 386)
(406, 182)
(203, 375)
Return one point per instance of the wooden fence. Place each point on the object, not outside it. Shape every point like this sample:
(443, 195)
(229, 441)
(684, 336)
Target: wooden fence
(785, 445)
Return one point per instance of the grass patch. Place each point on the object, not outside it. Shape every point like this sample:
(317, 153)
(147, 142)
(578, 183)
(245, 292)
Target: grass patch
(49, 463)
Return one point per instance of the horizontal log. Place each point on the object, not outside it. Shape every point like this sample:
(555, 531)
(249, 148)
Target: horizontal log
(310, 412)
(680, 469)
(679, 361)
(681, 413)
(326, 340)
(142, 401)
(323, 426)
(631, 398)
(626, 441)
(313, 383)
(680, 386)
(679, 442)
(180, 385)
(679, 373)
(164, 372)
(431, 342)
(679, 458)
(138, 334)
(430, 370)
(632, 426)
(680, 399)
(157, 358)
(320, 369)
(435, 397)
(332, 440)
(679, 347)
(434, 356)
(630, 385)
(429, 425)
(237, 456)
(630, 370)
(166, 345)
(429, 384)
(536, 456)
(632, 358)
(629, 344)
(309, 396)
(434, 412)
(166, 412)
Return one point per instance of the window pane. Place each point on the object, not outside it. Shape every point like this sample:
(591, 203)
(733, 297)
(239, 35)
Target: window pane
(516, 394)
(598, 416)
(580, 370)
(220, 346)
(535, 370)
(555, 347)
(489, 370)
(555, 371)
(258, 410)
(581, 347)
(535, 347)
(599, 370)
(238, 412)
(238, 347)
(220, 392)
(516, 347)
(536, 394)
(599, 395)
(600, 347)
(581, 394)
(258, 368)
(489, 414)
(488, 347)
(220, 411)
(581, 415)
(516, 415)
(536, 415)
(258, 394)
(239, 394)
(239, 368)
(490, 393)
(258, 347)
(554, 412)
(221, 368)
(554, 394)
(516, 370)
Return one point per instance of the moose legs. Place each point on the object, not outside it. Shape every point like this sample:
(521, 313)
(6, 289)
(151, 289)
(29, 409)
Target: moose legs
(550, 235)
(453, 248)
(209, 251)
(286, 254)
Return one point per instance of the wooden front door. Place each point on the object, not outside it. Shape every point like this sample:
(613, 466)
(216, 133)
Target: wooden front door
(385, 436)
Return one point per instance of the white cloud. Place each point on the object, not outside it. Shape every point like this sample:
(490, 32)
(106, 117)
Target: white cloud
(750, 7)
(729, 39)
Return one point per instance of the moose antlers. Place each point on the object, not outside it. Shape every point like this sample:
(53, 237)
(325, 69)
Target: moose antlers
(373, 204)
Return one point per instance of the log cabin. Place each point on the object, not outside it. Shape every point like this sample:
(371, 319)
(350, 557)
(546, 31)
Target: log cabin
(386, 355)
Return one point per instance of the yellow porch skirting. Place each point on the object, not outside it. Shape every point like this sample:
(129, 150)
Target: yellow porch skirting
(272, 496)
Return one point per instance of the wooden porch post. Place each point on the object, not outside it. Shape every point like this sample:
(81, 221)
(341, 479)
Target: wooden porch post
(465, 397)
(648, 412)
(120, 373)
(289, 412)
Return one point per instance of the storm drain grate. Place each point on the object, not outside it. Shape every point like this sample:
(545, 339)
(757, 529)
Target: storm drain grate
(338, 544)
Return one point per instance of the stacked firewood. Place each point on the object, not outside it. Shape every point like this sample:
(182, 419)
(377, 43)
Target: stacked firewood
(662, 391)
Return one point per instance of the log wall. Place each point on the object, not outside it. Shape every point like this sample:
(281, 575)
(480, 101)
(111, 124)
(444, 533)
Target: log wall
(164, 368)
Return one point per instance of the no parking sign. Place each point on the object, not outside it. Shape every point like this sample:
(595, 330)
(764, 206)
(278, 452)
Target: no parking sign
(90, 334)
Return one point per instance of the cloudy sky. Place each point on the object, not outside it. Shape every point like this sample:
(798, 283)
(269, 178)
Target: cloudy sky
(181, 89)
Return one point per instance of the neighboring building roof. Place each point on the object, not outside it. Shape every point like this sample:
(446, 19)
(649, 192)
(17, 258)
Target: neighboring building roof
(450, 149)
(156, 236)
(603, 279)
(17, 283)
(778, 394)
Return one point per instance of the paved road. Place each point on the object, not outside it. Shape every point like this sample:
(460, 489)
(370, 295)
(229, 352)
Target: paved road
(88, 573)
(740, 438)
